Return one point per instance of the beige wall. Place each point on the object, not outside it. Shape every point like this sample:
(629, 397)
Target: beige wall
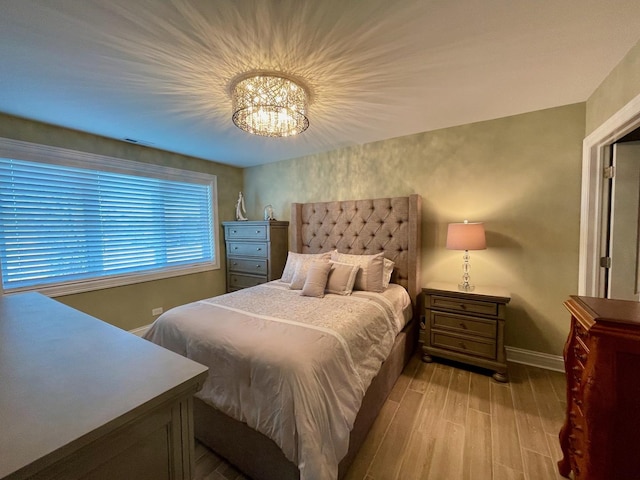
(620, 87)
(130, 306)
(521, 175)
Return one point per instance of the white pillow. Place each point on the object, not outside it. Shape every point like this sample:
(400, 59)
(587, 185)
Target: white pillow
(369, 276)
(341, 278)
(294, 258)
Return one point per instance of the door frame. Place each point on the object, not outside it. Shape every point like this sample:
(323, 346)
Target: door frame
(594, 155)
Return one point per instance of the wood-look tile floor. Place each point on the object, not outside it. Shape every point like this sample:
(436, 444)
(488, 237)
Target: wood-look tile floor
(442, 422)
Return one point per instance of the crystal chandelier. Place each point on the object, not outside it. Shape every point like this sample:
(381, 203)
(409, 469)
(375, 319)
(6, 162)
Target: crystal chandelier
(269, 105)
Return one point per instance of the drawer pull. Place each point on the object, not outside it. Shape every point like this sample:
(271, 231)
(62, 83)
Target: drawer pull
(463, 325)
(235, 263)
(258, 265)
(258, 249)
(235, 231)
(463, 306)
(235, 248)
(462, 345)
(258, 232)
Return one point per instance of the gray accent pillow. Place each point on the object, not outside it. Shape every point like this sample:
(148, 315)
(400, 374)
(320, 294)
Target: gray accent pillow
(316, 280)
(342, 277)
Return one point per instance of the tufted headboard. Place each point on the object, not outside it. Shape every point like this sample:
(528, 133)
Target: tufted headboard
(389, 225)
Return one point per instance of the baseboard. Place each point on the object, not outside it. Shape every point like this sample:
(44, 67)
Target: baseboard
(140, 331)
(535, 359)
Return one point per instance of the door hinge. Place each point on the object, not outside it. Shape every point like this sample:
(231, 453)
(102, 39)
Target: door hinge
(609, 172)
(605, 262)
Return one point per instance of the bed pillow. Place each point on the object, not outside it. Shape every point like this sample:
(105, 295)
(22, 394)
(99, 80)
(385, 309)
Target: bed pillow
(369, 276)
(294, 258)
(302, 269)
(341, 278)
(386, 272)
(316, 280)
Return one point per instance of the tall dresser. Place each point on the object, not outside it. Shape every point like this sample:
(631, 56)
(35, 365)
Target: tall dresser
(256, 252)
(599, 438)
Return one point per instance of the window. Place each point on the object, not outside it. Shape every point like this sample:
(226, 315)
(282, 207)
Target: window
(67, 228)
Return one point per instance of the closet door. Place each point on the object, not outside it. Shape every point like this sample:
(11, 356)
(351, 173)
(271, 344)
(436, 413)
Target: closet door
(624, 223)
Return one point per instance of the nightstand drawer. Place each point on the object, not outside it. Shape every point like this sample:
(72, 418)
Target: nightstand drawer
(237, 281)
(256, 266)
(257, 249)
(462, 324)
(246, 232)
(464, 305)
(463, 345)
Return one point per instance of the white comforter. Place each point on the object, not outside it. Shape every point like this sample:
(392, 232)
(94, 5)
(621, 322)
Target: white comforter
(294, 368)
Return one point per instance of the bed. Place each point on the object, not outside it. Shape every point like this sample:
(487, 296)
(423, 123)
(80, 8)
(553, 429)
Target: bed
(276, 419)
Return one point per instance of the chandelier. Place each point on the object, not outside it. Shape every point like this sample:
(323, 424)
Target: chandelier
(269, 105)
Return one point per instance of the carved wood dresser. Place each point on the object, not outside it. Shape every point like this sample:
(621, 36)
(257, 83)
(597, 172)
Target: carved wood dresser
(599, 438)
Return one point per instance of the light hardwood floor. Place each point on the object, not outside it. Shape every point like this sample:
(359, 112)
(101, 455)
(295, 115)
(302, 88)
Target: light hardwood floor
(446, 423)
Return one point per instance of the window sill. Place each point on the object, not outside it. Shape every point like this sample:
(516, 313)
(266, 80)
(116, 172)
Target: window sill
(117, 281)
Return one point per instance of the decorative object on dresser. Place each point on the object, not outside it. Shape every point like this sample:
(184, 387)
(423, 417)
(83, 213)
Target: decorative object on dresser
(256, 252)
(466, 236)
(599, 438)
(80, 398)
(268, 213)
(240, 209)
(465, 326)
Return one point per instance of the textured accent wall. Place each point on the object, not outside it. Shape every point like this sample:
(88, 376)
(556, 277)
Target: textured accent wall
(521, 175)
(620, 87)
(130, 306)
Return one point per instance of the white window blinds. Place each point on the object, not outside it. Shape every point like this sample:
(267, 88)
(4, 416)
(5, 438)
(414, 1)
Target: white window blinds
(61, 224)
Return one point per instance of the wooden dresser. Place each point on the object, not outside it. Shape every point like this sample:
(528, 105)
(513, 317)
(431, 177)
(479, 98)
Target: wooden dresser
(601, 432)
(256, 252)
(466, 327)
(82, 399)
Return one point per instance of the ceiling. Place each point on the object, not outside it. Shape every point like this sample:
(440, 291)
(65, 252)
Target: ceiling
(158, 71)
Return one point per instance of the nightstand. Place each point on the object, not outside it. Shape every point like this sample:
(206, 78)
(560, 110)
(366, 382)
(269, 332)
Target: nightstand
(467, 327)
(256, 252)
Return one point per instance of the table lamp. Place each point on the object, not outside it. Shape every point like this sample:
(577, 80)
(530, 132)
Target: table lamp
(466, 236)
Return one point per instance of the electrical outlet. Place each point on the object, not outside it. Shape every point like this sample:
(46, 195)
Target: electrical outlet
(156, 311)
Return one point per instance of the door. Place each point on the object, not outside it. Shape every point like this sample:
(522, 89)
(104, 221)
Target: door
(623, 224)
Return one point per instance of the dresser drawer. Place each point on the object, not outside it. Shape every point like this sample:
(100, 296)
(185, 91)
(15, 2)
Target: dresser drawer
(462, 324)
(238, 281)
(464, 305)
(463, 345)
(255, 249)
(256, 266)
(246, 232)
